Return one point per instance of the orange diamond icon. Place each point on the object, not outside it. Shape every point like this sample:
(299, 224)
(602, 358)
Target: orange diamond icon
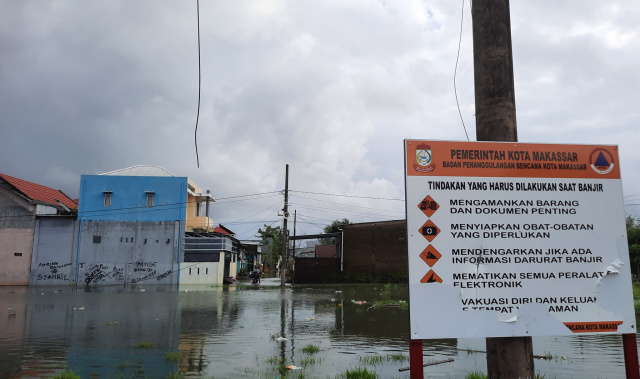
(430, 255)
(431, 277)
(428, 206)
(429, 230)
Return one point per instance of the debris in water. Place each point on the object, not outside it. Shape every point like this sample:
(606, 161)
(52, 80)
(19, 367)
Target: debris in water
(280, 339)
(293, 367)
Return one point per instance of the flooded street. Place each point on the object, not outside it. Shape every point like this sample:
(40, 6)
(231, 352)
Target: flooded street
(248, 331)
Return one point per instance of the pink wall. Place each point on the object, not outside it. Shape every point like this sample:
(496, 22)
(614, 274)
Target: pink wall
(15, 270)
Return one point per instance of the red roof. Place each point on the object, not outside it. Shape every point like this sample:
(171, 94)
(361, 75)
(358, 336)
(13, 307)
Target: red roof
(222, 230)
(40, 193)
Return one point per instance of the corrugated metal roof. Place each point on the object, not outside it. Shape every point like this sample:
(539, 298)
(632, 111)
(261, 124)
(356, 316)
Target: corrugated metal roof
(40, 193)
(140, 170)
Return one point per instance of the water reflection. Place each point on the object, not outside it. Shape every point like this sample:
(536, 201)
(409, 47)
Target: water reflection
(246, 331)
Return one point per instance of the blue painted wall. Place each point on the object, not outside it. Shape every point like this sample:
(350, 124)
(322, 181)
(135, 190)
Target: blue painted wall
(129, 200)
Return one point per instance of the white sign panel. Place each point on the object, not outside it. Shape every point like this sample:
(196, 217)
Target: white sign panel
(513, 239)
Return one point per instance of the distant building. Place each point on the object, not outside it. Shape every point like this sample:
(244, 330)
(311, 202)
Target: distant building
(22, 203)
(372, 251)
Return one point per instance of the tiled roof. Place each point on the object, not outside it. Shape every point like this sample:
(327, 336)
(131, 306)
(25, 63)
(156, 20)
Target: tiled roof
(222, 230)
(39, 192)
(140, 170)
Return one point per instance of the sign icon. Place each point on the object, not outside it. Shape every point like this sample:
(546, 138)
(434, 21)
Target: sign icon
(431, 277)
(424, 159)
(601, 161)
(429, 230)
(428, 206)
(430, 255)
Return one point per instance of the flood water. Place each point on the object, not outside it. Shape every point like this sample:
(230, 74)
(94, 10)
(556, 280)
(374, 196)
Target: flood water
(247, 331)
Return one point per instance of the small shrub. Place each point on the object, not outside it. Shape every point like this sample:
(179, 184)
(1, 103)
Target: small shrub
(311, 349)
(67, 375)
(143, 345)
(359, 373)
(476, 375)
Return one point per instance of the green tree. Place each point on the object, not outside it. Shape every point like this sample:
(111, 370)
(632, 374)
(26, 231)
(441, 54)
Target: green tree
(272, 238)
(333, 228)
(633, 238)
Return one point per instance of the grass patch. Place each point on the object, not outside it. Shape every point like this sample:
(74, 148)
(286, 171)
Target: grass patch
(67, 375)
(372, 359)
(397, 358)
(143, 345)
(273, 360)
(482, 375)
(391, 303)
(175, 375)
(359, 373)
(128, 364)
(172, 356)
(476, 375)
(308, 361)
(311, 349)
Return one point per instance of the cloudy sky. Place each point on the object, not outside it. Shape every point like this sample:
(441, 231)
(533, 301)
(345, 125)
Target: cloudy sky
(330, 87)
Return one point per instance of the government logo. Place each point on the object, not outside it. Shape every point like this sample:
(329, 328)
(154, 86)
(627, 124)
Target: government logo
(601, 161)
(424, 159)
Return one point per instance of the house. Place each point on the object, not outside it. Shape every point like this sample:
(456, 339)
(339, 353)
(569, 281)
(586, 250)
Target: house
(23, 205)
(216, 253)
(132, 225)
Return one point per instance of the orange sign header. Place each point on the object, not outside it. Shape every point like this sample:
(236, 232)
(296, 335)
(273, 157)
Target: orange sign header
(511, 159)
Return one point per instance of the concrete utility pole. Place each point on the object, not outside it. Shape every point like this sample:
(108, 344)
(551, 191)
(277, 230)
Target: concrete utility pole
(285, 236)
(493, 71)
(507, 357)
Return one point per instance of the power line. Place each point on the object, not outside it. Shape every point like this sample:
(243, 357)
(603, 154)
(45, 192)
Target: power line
(371, 215)
(455, 71)
(357, 197)
(255, 194)
(349, 205)
(199, 84)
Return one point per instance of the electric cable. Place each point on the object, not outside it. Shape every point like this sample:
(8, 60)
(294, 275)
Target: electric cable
(354, 196)
(199, 84)
(455, 72)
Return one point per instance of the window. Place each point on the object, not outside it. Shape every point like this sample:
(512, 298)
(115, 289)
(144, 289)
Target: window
(97, 239)
(150, 196)
(107, 198)
(198, 208)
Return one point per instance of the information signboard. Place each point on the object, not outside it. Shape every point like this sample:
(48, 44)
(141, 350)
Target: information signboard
(514, 239)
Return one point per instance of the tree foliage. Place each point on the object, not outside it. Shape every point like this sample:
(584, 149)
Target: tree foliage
(333, 228)
(272, 237)
(633, 237)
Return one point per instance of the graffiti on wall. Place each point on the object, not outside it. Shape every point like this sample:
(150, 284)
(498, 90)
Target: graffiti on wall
(51, 271)
(101, 272)
(136, 272)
